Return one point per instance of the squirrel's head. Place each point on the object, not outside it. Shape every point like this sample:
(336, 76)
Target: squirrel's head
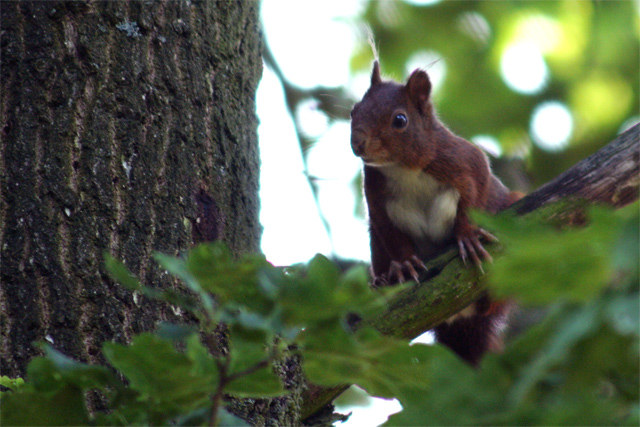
(393, 122)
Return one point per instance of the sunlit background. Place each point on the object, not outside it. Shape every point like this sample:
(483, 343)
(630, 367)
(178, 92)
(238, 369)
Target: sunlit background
(541, 84)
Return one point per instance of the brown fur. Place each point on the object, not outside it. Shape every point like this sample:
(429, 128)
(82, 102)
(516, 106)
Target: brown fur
(424, 156)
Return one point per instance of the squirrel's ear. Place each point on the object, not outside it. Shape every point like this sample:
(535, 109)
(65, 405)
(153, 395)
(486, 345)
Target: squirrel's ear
(375, 74)
(419, 88)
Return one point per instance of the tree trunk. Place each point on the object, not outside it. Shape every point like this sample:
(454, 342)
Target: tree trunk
(126, 127)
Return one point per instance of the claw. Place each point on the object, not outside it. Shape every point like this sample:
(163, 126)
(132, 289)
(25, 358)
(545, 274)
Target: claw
(477, 261)
(412, 272)
(411, 269)
(471, 247)
(483, 252)
(490, 237)
(463, 252)
(395, 269)
(418, 262)
(410, 266)
(472, 251)
(413, 264)
(380, 281)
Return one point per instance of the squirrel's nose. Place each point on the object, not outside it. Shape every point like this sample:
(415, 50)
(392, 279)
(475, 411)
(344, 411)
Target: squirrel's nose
(357, 144)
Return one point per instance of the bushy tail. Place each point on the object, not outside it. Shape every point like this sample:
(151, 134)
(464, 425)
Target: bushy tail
(471, 335)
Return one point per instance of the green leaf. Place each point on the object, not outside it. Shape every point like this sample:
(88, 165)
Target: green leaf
(247, 347)
(126, 408)
(352, 397)
(571, 369)
(455, 394)
(308, 297)
(329, 359)
(323, 272)
(627, 250)
(120, 273)
(250, 349)
(54, 391)
(13, 384)
(50, 373)
(321, 294)
(175, 297)
(64, 406)
(80, 374)
(572, 265)
(179, 268)
(175, 332)
(204, 364)
(623, 313)
(566, 333)
(234, 283)
(261, 383)
(168, 380)
(378, 364)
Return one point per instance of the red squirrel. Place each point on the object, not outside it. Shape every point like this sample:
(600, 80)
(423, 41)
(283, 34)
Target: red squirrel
(420, 181)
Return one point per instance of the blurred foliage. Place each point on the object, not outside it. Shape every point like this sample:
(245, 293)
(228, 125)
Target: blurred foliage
(576, 270)
(173, 377)
(579, 366)
(590, 48)
(589, 52)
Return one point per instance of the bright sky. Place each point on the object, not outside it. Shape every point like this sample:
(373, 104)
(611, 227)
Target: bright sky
(318, 54)
(312, 42)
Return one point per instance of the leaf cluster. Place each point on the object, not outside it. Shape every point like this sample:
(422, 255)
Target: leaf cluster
(577, 366)
(171, 376)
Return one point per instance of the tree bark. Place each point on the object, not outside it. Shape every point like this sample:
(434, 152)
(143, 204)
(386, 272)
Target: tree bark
(611, 176)
(126, 127)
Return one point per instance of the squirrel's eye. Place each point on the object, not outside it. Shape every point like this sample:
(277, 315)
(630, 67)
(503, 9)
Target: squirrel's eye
(399, 121)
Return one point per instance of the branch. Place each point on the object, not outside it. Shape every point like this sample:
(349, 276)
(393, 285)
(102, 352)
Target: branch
(611, 176)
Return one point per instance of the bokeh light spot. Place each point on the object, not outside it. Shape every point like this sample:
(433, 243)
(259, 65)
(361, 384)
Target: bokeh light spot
(430, 61)
(551, 125)
(523, 68)
(488, 143)
(422, 2)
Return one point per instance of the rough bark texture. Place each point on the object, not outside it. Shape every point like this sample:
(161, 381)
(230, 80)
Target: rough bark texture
(126, 127)
(611, 176)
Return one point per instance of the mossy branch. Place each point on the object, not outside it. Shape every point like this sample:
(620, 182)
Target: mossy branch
(610, 176)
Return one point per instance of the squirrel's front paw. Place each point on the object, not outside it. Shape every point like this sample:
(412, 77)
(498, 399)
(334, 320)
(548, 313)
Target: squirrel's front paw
(409, 266)
(380, 281)
(470, 246)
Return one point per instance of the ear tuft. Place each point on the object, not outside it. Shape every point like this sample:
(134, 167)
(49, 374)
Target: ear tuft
(419, 88)
(375, 74)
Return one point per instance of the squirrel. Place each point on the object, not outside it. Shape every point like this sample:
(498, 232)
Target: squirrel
(420, 181)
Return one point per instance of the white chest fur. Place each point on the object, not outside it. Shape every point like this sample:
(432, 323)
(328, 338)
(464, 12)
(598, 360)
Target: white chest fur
(419, 204)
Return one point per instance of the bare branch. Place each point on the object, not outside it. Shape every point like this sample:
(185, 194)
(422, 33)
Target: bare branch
(611, 176)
